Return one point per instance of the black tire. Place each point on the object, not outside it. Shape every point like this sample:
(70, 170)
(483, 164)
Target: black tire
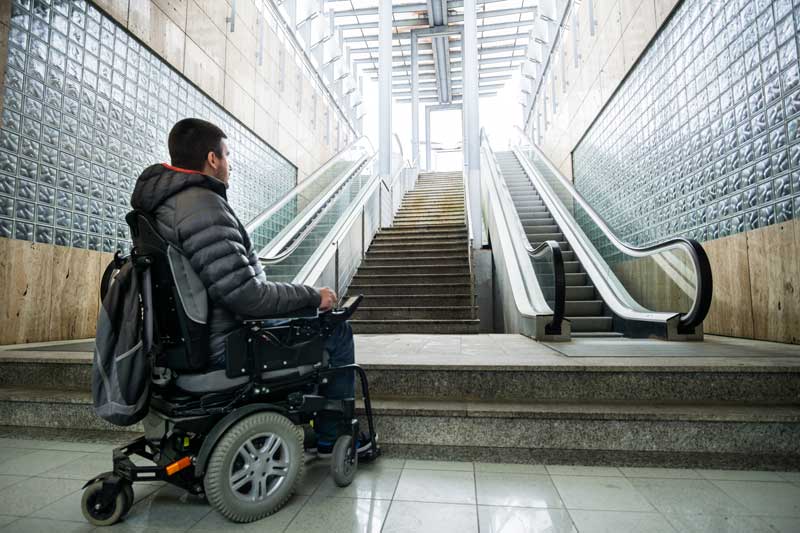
(127, 490)
(344, 461)
(248, 502)
(97, 515)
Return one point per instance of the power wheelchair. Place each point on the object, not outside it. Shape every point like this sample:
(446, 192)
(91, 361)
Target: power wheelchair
(236, 435)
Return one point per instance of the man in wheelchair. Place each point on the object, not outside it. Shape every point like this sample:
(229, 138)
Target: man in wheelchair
(247, 373)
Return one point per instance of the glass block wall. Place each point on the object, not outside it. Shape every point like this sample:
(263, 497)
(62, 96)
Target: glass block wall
(86, 109)
(702, 139)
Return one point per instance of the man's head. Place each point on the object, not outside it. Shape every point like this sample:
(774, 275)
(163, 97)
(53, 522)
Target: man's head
(195, 144)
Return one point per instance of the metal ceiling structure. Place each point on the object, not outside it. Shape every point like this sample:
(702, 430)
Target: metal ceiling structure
(503, 33)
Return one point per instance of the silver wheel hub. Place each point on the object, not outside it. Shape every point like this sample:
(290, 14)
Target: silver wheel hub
(259, 467)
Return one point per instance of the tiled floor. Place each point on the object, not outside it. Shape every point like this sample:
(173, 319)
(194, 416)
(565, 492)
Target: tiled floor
(40, 490)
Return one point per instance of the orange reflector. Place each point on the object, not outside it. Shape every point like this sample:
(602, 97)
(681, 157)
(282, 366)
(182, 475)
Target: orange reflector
(178, 465)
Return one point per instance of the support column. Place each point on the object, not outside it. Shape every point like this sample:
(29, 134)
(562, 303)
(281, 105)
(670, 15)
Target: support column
(415, 99)
(471, 118)
(385, 88)
(428, 165)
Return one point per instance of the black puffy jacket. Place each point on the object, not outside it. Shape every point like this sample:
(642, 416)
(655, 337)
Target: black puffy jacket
(193, 213)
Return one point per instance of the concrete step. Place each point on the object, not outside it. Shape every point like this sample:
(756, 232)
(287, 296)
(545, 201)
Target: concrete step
(410, 288)
(417, 326)
(583, 324)
(455, 299)
(583, 307)
(427, 221)
(416, 246)
(411, 239)
(394, 279)
(709, 435)
(430, 212)
(402, 269)
(437, 228)
(460, 261)
(391, 253)
(457, 231)
(410, 313)
(591, 433)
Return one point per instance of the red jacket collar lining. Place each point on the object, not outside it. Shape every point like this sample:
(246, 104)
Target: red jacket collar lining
(178, 169)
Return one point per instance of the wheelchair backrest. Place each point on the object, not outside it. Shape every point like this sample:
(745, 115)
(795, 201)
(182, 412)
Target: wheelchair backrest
(179, 298)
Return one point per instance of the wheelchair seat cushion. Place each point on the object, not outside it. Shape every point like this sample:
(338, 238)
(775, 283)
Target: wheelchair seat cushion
(217, 381)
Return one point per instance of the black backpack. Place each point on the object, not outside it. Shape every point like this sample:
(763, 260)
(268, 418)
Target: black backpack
(121, 367)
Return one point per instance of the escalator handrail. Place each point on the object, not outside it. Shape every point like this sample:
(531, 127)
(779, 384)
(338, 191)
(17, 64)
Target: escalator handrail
(309, 222)
(552, 247)
(701, 302)
(251, 226)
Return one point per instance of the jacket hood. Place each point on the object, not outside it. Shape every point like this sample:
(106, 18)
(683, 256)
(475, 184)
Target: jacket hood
(160, 181)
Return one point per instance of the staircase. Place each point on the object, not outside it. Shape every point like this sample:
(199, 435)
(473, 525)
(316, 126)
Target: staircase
(415, 277)
(584, 308)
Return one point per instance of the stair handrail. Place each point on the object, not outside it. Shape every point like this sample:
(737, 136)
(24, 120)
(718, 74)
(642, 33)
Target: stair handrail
(290, 238)
(536, 304)
(329, 250)
(701, 301)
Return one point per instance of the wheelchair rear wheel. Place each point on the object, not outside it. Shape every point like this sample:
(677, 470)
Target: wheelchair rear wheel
(255, 467)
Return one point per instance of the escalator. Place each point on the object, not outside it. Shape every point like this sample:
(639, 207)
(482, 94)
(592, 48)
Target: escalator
(661, 290)
(584, 308)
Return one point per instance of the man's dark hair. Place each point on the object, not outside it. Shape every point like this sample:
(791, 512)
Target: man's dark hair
(191, 139)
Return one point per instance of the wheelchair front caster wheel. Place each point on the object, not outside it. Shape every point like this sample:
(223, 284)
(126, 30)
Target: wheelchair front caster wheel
(344, 461)
(100, 512)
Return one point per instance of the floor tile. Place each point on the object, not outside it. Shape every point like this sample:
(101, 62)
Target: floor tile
(392, 463)
(314, 474)
(436, 486)
(345, 515)
(25, 497)
(772, 499)
(740, 475)
(510, 468)
(600, 493)
(619, 522)
(522, 520)
(660, 473)
(170, 507)
(68, 508)
(66, 446)
(278, 521)
(378, 484)
(12, 453)
(794, 477)
(41, 525)
(7, 481)
(573, 470)
(439, 465)
(85, 467)
(6, 519)
(783, 525)
(516, 490)
(702, 523)
(688, 496)
(420, 517)
(38, 462)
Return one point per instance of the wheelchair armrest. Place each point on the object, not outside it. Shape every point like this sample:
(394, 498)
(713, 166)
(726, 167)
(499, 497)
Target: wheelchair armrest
(303, 312)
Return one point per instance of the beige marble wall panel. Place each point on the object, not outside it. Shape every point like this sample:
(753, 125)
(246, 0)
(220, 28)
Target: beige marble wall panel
(639, 32)
(159, 32)
(76, 280)
(612, 73)
(627, 9)
(731, 312)
(775, 281)
(216, 10)
(239, 102)
(118, 9)
(204, 71)
(266, 126)
(663, 8)
(25, 290)
(650, 286)
(205, 34)
(247, 15)
(241, 69)
(175, 9)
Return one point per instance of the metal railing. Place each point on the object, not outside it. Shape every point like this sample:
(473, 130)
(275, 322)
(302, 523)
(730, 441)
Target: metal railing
(681, 261)
(532, 278)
